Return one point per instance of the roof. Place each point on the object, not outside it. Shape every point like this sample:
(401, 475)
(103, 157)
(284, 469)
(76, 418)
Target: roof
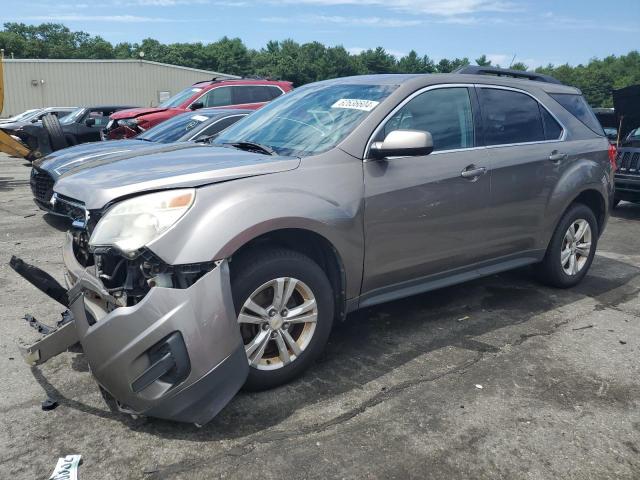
(426, 79)
(132, 60)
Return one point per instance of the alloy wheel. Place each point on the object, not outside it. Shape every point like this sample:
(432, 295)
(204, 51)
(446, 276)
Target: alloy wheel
(277, 322)
(576, 247)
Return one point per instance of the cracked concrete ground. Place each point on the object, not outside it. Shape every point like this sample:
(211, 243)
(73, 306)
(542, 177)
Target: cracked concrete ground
(397, 394)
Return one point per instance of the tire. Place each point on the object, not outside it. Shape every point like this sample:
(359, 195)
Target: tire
(54, 129)
(254, 276)
(551, 271)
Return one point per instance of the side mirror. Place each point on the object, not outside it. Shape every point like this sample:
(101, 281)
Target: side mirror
(196, 106)
(403, 143)
(90, 122)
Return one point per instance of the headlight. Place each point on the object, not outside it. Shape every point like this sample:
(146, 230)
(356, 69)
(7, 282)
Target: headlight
(132, 224)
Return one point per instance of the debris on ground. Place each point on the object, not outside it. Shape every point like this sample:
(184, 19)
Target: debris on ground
(582, 328)
(66, 468)
(478, 386)
(49, 404)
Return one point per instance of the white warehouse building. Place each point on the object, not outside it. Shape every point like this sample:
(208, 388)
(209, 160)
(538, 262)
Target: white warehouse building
(34, 83)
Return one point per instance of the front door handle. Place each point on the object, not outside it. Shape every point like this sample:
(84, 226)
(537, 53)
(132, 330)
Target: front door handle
(557, 156)
(473, 172)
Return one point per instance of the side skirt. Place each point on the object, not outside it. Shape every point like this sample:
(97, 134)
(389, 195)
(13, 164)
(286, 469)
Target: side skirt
(446, 279)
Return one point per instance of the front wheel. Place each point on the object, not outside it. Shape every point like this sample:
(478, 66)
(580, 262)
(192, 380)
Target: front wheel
(285, 306)
(572, 248)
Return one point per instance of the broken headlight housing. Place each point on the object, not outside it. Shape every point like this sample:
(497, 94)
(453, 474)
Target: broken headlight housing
(131, 224)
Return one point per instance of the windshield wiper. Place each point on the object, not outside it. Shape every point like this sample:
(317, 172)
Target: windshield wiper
(253, 147)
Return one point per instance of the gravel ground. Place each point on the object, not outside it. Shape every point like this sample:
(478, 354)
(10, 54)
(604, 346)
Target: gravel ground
(495, 378)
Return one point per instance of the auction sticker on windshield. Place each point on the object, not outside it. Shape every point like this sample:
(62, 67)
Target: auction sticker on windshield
(356, 104)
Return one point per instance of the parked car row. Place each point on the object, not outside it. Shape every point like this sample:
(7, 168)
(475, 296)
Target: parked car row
(196, 268)
(39, 138)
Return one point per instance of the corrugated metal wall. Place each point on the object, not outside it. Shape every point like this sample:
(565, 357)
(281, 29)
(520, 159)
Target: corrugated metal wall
(62, 83)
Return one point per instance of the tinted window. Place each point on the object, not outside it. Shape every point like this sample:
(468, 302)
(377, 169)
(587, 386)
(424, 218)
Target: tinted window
(218, 126)
(510, 117)
(444, 112)
(255, 94)
(174, 128)
(577, 106)
(218, 97)
(552, 129)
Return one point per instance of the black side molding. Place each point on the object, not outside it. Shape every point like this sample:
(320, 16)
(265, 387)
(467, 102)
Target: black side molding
(41, 280)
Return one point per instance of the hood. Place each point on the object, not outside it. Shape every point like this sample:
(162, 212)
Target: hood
(102, 180)
(135, 112)
(61, 161)
(13, 126)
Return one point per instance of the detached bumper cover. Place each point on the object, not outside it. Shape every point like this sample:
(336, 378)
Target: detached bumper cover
(126, 345)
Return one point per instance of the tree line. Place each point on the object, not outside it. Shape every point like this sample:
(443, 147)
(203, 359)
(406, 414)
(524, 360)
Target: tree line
(299, 63)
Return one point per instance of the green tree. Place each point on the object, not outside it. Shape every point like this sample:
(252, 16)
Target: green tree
(483, 61)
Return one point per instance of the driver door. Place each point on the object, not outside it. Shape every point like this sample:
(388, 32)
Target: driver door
(424, 215)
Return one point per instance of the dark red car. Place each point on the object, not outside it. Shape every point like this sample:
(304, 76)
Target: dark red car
(245, 93)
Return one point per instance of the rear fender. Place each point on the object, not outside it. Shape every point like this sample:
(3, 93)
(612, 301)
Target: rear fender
(579, 177)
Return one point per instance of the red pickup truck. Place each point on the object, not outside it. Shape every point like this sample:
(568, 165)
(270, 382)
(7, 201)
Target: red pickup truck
(244, 93)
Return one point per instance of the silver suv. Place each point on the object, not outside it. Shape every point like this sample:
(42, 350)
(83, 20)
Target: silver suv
(193, 270)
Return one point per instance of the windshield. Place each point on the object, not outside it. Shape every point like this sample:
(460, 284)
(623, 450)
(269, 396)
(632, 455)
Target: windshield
(25, 116)
(179, 98)
(309, 120)
(72, 117)
(173, 129)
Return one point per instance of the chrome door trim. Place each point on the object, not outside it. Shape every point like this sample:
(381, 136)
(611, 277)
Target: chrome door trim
(562, 137)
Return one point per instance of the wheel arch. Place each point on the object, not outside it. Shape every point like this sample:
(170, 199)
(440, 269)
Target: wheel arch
(309, 243)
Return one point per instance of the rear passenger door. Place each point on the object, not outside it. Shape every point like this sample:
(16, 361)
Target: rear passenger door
(524, 144)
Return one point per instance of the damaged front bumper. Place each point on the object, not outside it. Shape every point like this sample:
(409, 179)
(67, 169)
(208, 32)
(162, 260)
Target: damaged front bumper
(177, 354)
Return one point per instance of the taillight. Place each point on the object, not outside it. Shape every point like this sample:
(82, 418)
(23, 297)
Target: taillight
(613, 152)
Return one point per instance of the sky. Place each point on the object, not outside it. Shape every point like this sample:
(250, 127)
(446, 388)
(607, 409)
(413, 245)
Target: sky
(536, 32)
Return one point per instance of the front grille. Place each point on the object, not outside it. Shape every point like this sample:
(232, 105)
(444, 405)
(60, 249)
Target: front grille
(41, 185)
(628, 162)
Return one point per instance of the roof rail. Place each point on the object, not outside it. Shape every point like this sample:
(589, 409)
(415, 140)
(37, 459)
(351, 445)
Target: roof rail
(213, 80)
(506, 72)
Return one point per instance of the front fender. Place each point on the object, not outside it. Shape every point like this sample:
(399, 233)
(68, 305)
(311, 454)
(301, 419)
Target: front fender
(228, 215)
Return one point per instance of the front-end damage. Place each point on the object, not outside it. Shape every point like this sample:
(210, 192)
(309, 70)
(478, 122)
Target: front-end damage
(161, 339)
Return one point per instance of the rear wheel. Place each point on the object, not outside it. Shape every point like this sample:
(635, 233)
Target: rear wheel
(284, 304)
(54, 129)
(572, 248)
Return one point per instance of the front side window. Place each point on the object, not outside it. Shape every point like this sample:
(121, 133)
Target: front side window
(218, 97)
(444, 112)
(510, 117)
(217, 127)
(310, 120)
(179, 98)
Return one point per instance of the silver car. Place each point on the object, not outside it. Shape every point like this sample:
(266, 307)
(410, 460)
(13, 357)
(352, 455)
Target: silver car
(195, 270)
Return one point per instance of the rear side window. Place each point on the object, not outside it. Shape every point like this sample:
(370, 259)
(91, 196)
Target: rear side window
(255, 94)
(578, 107)
(510, 117)
(444, 112)
(552, 129)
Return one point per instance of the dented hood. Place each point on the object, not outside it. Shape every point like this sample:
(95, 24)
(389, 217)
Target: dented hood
(100, 181)
(135, 112)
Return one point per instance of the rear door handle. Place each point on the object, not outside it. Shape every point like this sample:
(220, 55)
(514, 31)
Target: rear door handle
(473, 172)
(557, 156)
